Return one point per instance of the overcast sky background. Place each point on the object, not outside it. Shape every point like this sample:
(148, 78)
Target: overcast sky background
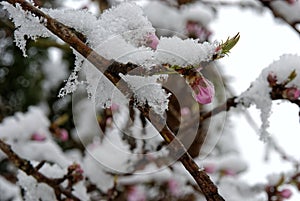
(263, 40)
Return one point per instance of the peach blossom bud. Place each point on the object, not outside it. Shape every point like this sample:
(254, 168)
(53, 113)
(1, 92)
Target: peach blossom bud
(152, 41)
(173, 187)
(272, 79)
(210, 168)
(291, 93)
(204, 90)
(38, 137)
(63, 134)
(286, 193)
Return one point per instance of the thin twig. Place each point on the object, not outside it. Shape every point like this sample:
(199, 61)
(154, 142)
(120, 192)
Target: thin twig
(28, 168)
(208, 188)
(268, 4)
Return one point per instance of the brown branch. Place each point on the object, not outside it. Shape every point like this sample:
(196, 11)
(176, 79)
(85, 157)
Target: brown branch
(268, 4)
(208, 188)
(27, 167)
(224, 107)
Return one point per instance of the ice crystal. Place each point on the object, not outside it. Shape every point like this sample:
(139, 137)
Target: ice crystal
(27, 25)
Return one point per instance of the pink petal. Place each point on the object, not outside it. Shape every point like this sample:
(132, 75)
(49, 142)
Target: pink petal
(204, 91)
(286, 193)
(152, 41)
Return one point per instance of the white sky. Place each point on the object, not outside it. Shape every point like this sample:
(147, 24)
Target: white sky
(263, 40)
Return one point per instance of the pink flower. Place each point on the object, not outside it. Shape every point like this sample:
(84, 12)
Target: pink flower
(152, 41)
(291, 1)
(63, 134)
(210, 168)
(291, 93)
(75, 172)
(38, 137)
(286, 193)
(229, 172)
(135, 194)
(204, 90)
(185, 111)
(195, 30)
(272, 79)
(174, 187)
(114, 107)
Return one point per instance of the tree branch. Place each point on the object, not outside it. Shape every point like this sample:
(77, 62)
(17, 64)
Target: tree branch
(27, 167)
(208, 188)
(268, 4)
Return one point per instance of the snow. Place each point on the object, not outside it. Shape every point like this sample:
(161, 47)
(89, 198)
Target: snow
(258, 93)
(26, 25)
(289, 11)
(147, 91)
(120, 33)
(21, 128)
(176, 51)
(174, 20)
(9, 191)
(35, 191)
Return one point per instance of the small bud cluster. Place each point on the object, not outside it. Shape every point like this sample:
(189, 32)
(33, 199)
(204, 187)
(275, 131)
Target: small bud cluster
(75, 174)
(281, 90)
(195, 30)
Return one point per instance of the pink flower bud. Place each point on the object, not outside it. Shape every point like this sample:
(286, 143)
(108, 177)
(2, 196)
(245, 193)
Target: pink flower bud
(272, 79)
(63, 134)
(75, 172)
(152, 41)
(291, 1)
(286, 193)
(291, 93)
(135, 194)
(185, 111)
(229, 172)
(38, 137)
(173, 187)
(114, 107)
(195, 30)
(210, 168)
(204, 90)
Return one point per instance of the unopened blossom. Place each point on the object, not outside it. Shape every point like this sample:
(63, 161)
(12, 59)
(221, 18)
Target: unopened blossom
(286, 193)
(135, 194)
(291, 1)
(204, 90)
(63, 134)
(152, 41)
(185, 111)
(272, 79)
(174, 187)
(76, 173)
(291, 93)
(229, 172)
(38, 137)
(210, 168)
(195, 30)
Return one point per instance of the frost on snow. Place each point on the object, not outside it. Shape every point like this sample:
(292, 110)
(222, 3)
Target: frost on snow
(258, 93)
(120, 33)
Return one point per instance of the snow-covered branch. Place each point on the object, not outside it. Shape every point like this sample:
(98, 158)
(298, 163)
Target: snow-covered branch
(208, 188)
(30, 170)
